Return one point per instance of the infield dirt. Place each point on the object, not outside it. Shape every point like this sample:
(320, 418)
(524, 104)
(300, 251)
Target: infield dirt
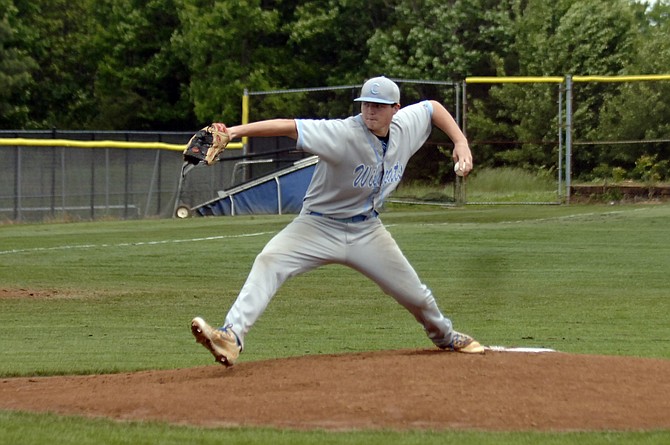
(396, 390)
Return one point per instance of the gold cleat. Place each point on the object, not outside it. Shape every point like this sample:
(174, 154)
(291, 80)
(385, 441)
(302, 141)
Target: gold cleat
(221, 342)
(464, 343)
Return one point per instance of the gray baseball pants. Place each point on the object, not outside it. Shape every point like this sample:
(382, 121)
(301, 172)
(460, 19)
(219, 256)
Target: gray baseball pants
(310, 241)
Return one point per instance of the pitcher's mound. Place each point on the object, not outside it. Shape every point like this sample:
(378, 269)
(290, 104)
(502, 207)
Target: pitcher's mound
(407, 389)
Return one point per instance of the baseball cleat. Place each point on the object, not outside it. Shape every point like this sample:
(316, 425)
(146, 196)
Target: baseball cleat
(464, 343)
(221, 342)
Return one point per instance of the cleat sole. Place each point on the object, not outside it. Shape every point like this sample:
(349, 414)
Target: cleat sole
(207, 343)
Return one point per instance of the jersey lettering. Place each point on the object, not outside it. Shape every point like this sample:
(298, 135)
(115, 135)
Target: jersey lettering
(368, 176)
(394, 174)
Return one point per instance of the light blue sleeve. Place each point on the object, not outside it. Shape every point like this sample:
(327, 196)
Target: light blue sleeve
(429, 106)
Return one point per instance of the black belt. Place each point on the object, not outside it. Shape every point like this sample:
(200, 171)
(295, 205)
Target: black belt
(353, 219)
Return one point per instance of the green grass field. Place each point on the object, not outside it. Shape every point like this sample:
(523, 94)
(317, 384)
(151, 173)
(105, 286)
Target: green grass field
(118, 296)
(499, 185)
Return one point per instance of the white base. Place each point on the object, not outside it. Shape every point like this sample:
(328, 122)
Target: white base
(506, 349)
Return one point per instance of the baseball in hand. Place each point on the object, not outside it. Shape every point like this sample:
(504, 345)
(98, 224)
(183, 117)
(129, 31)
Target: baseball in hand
(459, 168)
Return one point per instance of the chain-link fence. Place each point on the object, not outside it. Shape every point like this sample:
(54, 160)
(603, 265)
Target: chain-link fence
(65, 183)
(44, 182)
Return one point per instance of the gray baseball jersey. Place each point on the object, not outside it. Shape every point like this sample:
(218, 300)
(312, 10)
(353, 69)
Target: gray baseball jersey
(339, 224)
(353, 175)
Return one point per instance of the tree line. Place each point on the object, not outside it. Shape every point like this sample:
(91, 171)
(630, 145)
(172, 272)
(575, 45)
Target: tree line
(177, 64)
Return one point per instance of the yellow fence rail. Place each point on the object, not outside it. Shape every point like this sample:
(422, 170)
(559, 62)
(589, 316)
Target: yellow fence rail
(14, 142)
(558, 79)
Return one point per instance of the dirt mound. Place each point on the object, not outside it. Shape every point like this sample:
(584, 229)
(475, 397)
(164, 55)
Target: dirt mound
(407, 389)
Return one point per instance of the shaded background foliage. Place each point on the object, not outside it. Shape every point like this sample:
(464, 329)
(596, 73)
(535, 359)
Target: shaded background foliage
(178, 64)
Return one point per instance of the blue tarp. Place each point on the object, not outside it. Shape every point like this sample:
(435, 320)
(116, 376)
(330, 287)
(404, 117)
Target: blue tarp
(277, 193)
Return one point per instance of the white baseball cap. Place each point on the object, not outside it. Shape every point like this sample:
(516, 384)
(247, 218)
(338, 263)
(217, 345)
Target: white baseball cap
(380, 90)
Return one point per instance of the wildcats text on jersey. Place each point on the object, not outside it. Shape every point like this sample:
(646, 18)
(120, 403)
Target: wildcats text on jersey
(368, 176)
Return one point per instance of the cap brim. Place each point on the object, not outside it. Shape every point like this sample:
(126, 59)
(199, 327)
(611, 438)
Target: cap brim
(375, 100)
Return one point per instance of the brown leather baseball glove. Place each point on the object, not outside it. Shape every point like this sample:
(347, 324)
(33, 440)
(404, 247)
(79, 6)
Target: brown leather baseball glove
(207, 144)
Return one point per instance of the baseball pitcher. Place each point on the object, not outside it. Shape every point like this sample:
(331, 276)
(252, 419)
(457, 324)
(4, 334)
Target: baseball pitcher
(361, 161)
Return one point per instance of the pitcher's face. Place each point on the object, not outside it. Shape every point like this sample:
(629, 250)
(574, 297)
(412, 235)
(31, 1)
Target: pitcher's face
(377, 117)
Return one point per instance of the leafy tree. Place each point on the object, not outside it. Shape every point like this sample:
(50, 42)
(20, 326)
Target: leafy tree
(176, 64)
(439, 40)
(641, 110)
(328, 43)
(58, 39)
(521, 115)
(443, 41)
(229, 46)
(330, 39)
(139, 79)
(16, 68)
(582, 37)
